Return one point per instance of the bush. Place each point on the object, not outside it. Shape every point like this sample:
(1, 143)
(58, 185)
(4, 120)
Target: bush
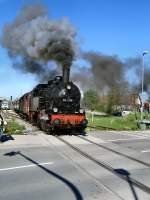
(14, 128)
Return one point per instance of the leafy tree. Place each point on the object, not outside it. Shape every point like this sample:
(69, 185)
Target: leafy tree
(91, 99)
(117, 96)
(110, 102)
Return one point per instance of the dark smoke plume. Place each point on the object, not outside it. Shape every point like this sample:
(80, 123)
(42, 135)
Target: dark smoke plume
(26, 64)
(49, 75)
(34, 39)
(107, 71)
(44, 71)
(146, 87)
(135, 64)
(83, 77)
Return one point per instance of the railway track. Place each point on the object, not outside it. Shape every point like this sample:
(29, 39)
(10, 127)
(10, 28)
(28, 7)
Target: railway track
(116, 152)
(119, 173)
(6, 114)
(92, 142)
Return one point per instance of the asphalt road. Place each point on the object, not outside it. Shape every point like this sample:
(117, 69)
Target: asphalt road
(39, 167)
(138, 140)
(136, 144)
(40, 173)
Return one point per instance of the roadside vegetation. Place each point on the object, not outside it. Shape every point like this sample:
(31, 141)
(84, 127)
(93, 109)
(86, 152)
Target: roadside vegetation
(13, 127)
(110, 105)
(129, 122)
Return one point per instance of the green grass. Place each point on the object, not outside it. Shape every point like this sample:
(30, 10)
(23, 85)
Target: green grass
(117, 123)
(14, 128)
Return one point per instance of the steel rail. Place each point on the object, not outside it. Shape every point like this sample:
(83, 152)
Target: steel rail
(114, 151)
(132, 181)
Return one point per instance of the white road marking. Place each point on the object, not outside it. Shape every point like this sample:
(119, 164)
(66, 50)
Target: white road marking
(139, 138)
(26, 166)
(145, 151)
(132, 134)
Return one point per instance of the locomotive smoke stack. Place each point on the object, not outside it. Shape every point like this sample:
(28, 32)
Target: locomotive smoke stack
(66, 74)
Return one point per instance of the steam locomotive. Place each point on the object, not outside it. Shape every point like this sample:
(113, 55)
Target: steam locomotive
(55, 105)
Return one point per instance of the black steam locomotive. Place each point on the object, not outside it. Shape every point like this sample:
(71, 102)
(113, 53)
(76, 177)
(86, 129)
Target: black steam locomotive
(55, 105)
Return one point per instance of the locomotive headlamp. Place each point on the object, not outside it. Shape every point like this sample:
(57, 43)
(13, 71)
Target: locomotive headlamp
(55, 110)
(81, 111)
(68, 87)
(5, 123)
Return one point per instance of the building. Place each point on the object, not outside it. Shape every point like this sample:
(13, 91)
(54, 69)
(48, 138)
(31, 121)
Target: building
(122, 102)
(1, 100)
(4, 104)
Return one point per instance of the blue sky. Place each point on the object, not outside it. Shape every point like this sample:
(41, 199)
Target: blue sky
(114, 27)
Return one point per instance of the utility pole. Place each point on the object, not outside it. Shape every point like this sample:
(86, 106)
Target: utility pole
(142, 74)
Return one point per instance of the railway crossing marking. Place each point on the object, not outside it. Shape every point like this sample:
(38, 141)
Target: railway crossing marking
(26, 166)
(126, 139)
(145, 151)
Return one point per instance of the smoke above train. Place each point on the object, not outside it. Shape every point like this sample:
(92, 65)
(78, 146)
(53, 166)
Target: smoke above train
(33, 39)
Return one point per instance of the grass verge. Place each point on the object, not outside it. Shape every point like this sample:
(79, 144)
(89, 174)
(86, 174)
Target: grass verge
(14, 127)
(117, 123)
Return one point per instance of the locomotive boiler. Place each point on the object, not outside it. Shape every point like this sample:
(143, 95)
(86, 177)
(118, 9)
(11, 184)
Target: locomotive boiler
(55, 105)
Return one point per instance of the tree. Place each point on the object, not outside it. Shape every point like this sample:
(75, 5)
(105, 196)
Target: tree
(110, 102)
(117, 96)
(91, 99)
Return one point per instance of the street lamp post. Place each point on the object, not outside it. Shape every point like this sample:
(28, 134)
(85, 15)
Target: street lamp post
(143, 54)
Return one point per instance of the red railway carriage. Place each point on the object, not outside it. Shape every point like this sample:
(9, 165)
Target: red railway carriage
(147, 107)
(24, 103)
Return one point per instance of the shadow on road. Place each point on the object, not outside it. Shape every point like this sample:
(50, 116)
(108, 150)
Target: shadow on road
(61, 132)
(70, 185)
(5, 138)
(126, 174)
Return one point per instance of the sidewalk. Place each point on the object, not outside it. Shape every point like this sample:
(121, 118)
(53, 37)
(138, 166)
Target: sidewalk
(24, 141)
